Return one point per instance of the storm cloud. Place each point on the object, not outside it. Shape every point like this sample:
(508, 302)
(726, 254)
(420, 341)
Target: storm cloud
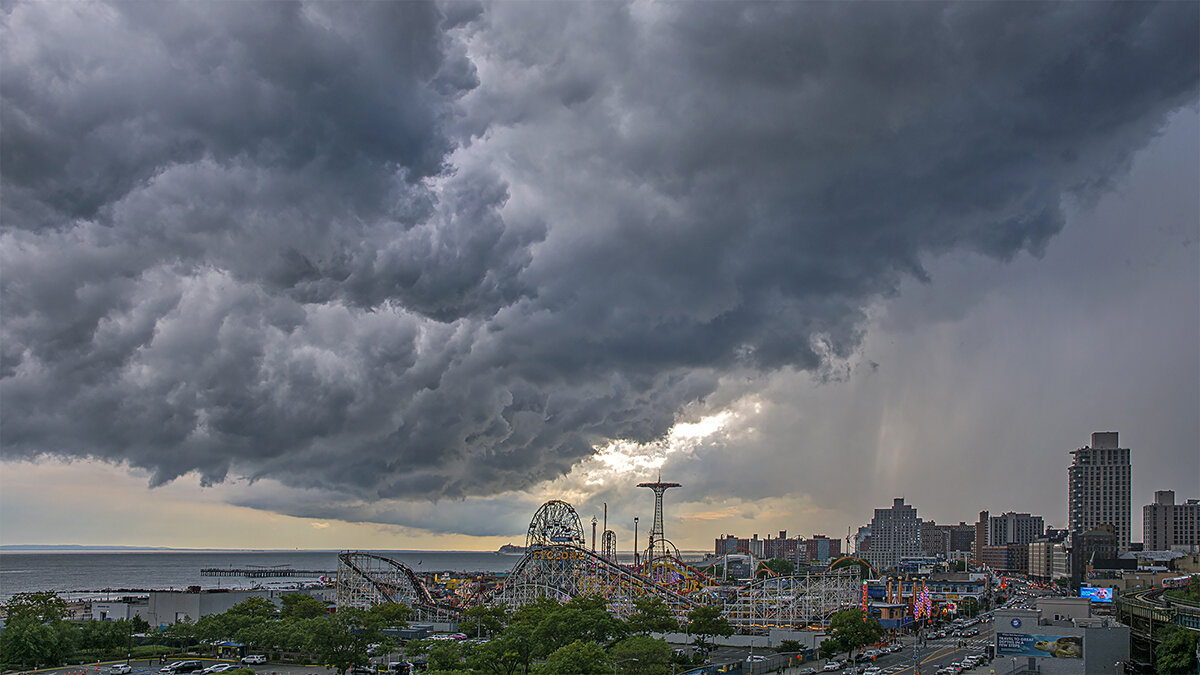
(404, 250)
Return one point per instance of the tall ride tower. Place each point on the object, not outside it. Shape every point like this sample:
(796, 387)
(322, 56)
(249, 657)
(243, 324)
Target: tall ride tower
(656, 532)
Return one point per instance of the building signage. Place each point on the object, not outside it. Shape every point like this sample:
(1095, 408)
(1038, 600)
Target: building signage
(557, 554)
(1053, 646)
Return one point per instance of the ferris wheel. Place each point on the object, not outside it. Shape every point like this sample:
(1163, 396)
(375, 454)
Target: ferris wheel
(555, 523)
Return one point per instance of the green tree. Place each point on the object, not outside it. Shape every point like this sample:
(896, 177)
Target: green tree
(301, 606)
(852, 631)
(103, 637)
(831, 647)
(707, 621)
(968, 607)
(569, 624)
(43, 607)
(484, 620)
(391, 615)
(446, 655)
(34, 630)
(179, 634)
(779, 566)
(508, 654)
(652, 615)
(577, 658)
(641, 655)
(254, 607)
(341, 640)
(788, 646)
(1176, 653)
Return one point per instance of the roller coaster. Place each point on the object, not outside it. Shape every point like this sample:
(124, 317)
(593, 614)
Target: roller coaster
(556, 565)
(366, 579)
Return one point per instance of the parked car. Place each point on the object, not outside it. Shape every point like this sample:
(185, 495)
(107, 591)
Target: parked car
(807, 671)
(254, 659)
(182, 667)
(218, 668)
(120, 669)
(755, 658)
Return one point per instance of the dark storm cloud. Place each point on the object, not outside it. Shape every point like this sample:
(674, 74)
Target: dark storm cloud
(391, 250)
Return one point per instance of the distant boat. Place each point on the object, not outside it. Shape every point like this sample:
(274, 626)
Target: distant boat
(509, 549)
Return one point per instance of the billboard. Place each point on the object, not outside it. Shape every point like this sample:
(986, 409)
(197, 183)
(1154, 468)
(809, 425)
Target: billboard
(1096, 593)
(1054, 646)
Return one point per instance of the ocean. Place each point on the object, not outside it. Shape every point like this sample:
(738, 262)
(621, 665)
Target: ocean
(79, 574)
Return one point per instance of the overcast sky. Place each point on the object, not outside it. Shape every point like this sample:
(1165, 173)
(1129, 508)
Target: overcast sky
(389, 275)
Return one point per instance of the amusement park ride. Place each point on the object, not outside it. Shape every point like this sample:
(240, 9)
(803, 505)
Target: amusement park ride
(557, 564)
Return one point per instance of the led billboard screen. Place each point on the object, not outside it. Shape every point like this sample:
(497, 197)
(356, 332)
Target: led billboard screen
(1096, 594)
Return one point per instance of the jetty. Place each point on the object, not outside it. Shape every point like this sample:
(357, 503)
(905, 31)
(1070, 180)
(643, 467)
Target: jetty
(278, 572)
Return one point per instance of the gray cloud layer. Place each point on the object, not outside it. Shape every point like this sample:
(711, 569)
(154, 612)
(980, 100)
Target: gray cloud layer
(397, 250)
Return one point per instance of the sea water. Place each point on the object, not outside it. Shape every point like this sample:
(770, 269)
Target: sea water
(75, 574)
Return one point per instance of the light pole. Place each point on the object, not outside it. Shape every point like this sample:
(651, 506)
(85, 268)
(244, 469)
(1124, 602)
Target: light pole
(635, 548)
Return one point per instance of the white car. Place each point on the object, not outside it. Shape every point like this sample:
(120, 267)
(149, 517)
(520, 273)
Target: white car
(254, 659)
(120, 669)
(218, 668)
(832, 666)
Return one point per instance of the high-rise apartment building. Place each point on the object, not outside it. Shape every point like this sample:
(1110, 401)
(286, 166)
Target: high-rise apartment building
(981, 535)
(1167, 525)
(1098, 488)
(1014, 528)
(895, 534)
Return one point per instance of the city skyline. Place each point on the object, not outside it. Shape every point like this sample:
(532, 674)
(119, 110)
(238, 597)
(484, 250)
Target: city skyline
(364, 296)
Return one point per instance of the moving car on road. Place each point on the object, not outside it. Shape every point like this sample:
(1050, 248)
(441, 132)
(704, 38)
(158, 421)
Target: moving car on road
(254, 659)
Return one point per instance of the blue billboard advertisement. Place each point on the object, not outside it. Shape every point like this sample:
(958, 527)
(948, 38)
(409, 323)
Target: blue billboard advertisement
(1054, 646)
(1096, 593)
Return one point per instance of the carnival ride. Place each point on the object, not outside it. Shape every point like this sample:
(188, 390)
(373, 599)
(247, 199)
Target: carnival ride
(367, 579)
(557, 565)
(722, 560)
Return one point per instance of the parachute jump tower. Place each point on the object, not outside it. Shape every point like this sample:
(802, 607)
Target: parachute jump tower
(658, 545)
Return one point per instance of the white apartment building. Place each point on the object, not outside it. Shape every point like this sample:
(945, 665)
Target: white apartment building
(895, 534)
(1015, 528)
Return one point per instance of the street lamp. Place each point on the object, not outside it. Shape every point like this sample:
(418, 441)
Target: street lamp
(621, 661)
